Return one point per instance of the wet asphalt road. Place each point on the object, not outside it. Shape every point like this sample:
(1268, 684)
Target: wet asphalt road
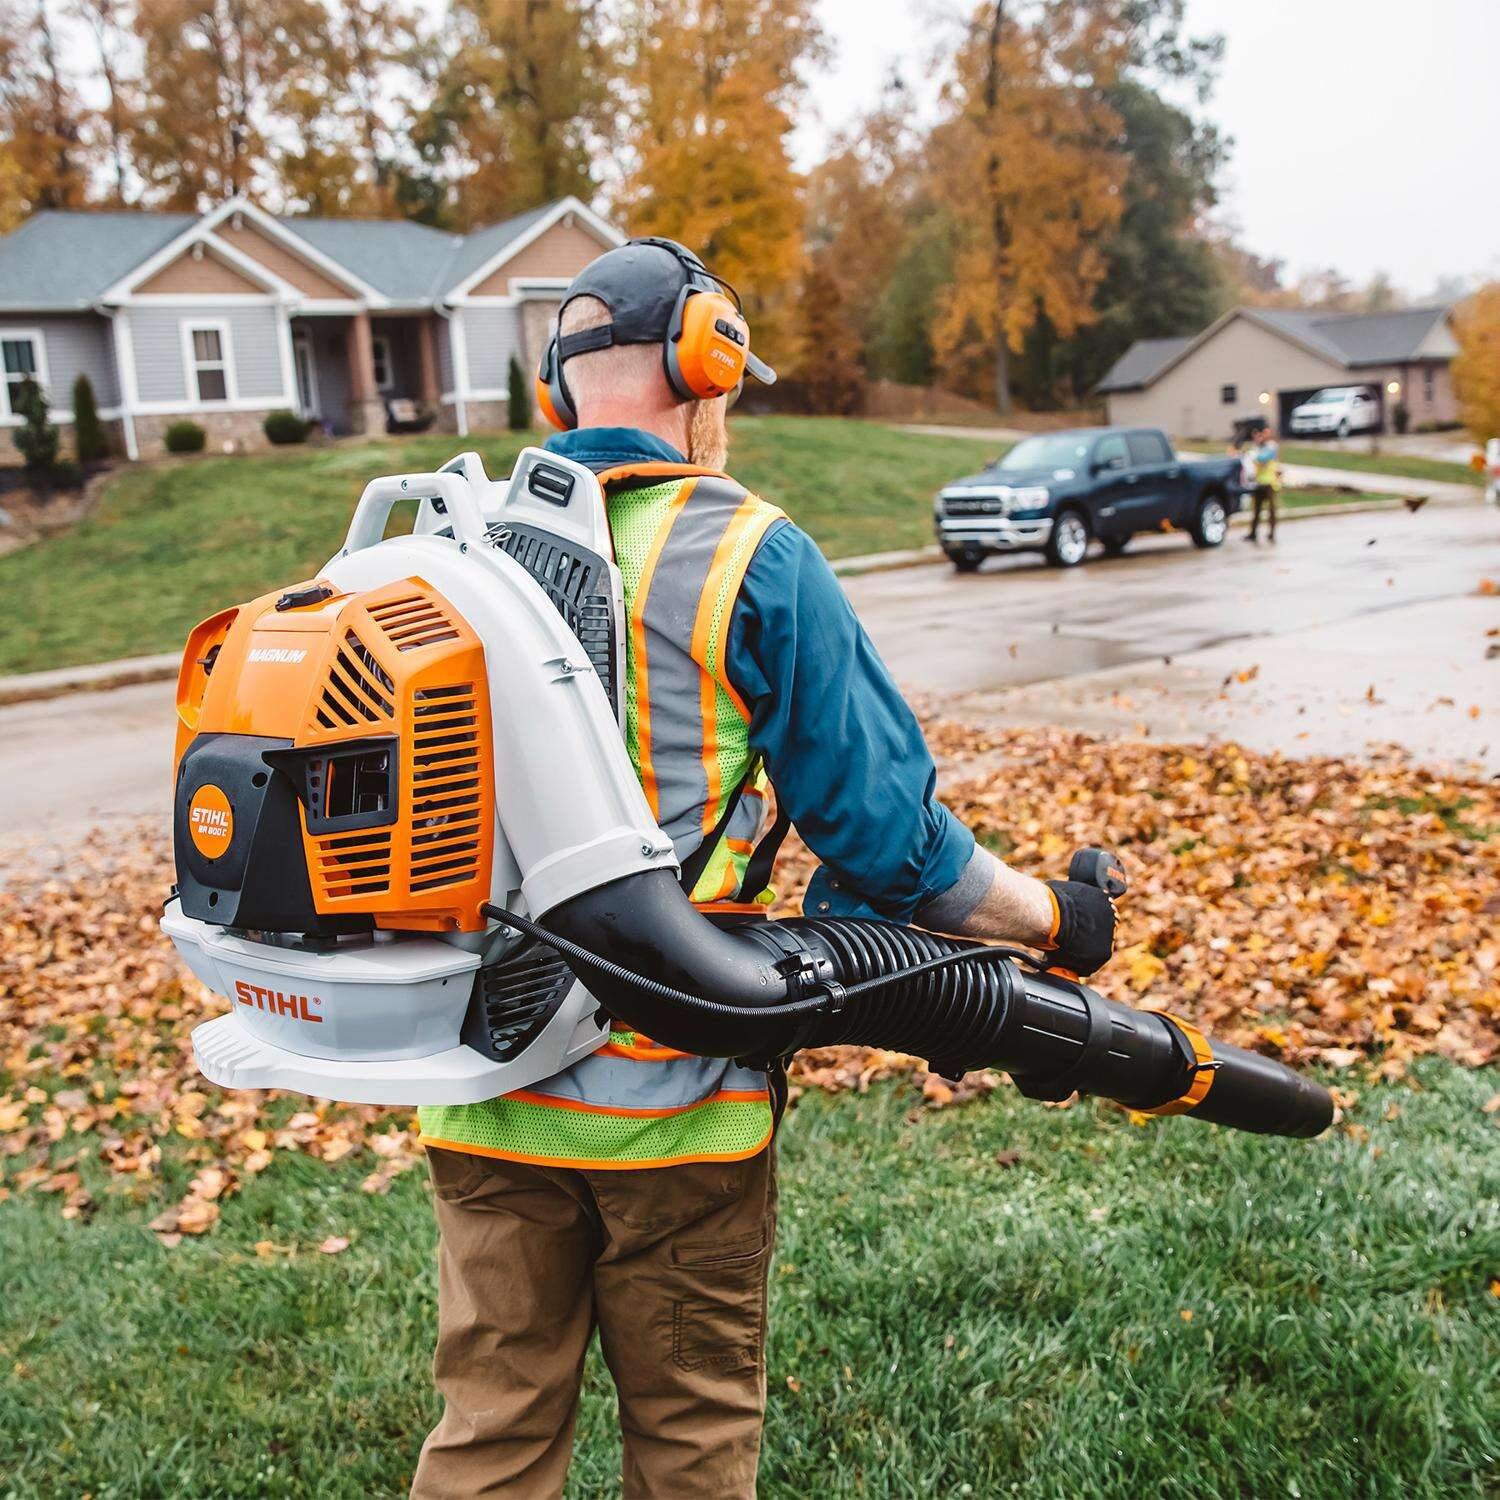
(1352, 631)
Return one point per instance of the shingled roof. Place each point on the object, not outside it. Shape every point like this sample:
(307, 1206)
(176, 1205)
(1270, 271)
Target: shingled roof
(1349, 339)
(59, 261)
(63, 260)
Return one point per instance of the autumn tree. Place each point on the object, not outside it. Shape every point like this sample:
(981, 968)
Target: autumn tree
(108, 25)
(43, 155)
(1027, 163)
(830, 371)
(1476, 366)
(861, 203)
(348, 111)
(519, 102)
(711, 91)
(216, 77)
(1028, 158)
(1161, 276)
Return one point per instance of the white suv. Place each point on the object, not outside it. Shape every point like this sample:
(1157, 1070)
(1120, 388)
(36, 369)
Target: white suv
(1339, 409)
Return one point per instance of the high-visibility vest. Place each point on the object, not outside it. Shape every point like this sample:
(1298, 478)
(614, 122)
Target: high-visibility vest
(683, 538)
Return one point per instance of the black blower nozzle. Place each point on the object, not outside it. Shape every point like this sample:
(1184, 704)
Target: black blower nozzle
(765, 989)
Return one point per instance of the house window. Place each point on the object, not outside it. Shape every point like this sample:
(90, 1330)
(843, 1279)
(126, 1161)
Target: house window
(381, 357)
(1427, 384)
(24, 359)
(1229, 394)
(207, 348)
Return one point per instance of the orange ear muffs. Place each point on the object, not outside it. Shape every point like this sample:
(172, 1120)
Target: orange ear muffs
(552, 397)
(707, 344)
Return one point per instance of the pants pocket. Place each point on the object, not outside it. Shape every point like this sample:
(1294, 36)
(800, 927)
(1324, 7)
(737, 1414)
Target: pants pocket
(718, 1320)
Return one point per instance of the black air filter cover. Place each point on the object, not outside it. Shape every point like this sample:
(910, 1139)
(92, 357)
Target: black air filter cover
(259, 883)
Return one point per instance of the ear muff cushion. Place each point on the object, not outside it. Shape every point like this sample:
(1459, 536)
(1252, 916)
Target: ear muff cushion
(706, 347)
(551, 394)
(545, 406)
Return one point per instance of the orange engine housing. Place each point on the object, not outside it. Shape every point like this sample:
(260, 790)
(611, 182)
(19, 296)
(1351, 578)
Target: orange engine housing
(399, 662)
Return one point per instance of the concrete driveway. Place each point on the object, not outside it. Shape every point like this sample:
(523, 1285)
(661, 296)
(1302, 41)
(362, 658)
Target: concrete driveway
(1352, 631)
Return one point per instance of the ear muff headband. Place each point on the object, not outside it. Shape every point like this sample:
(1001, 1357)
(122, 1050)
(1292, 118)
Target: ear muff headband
(705, 346)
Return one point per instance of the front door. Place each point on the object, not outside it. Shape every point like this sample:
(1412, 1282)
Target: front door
(307, 378)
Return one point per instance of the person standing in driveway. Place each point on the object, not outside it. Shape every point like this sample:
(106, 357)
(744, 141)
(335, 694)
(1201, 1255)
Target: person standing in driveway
(1267, 457)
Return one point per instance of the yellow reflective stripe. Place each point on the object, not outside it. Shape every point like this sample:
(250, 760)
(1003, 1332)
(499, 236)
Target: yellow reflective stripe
(646, 768)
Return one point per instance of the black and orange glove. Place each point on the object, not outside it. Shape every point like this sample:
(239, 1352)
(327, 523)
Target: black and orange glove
(1083, 927)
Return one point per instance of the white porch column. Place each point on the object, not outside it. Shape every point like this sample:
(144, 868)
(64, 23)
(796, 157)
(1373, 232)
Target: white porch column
(119, 322)
(458, 348)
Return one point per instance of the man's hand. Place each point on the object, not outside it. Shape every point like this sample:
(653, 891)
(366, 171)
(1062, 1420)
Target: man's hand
(1069, 920)
(1083, 932)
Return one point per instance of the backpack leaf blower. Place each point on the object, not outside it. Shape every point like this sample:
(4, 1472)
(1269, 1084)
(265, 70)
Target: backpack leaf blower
(413, 854)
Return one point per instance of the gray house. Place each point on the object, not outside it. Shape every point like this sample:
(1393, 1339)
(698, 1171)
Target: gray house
(1265, 360)
(224, 316)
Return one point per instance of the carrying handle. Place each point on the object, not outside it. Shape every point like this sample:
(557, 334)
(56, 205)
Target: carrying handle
(450, 491)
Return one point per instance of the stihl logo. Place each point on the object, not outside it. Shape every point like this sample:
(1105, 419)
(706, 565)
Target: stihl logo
(275, 1003)
(211, 822)
(723, 358)
(286, 654)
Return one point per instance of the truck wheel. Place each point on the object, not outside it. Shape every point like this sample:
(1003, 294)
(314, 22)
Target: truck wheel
(967, 561)
(1114, 546)
(1069, 543)
(1210, 522)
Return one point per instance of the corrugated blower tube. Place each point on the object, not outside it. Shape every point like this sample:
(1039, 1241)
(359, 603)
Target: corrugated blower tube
(761, 990)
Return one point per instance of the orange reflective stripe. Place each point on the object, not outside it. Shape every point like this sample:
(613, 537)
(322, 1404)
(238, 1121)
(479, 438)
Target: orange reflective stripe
(550, 1101)
(638, 645)
(602, 1164)
(657, 469)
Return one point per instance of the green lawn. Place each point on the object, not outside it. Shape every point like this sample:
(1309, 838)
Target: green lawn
(1315, 455)
(1169, 1311)
(171, 544)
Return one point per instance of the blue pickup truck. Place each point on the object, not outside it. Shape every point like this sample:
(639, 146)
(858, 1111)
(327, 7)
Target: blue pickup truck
(1058, 491)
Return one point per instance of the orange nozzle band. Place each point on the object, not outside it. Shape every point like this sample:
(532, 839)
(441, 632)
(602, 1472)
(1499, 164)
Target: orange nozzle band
(1203, 1076)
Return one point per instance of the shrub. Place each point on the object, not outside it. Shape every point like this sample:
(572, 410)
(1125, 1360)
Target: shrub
(66, 475)
(184, 437)
(88, 435)
(285, 427)
(519, 394)
(36, 437)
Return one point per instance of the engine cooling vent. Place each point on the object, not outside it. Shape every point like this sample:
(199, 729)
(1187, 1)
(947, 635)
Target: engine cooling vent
(577, 581)
(513, 1000)
(413, 621)
(354, 864)
(444, 789)
(357, 690)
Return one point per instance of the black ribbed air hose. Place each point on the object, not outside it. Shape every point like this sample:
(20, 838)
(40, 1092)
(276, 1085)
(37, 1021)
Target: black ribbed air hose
(762, 989)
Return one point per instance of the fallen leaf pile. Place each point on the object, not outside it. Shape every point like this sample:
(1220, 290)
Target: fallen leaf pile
(1316, 910)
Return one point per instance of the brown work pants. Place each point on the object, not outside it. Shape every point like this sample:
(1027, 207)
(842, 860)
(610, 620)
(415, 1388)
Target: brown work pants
(668, 1263)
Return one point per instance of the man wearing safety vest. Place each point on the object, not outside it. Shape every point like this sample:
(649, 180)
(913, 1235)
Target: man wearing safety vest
(634, 1194)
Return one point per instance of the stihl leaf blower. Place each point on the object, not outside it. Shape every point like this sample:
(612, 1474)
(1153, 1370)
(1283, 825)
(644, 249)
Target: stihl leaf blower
(413, 853)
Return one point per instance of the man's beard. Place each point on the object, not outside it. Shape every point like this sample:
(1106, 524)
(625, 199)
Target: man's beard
(708, 435)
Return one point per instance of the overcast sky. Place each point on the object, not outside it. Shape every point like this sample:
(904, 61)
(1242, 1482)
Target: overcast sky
(1366, 132)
